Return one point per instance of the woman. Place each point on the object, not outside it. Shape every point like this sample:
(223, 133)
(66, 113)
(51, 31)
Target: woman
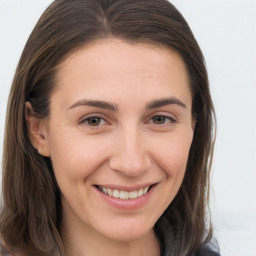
(109, 135)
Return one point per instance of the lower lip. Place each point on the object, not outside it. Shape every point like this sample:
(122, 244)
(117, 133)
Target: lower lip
(127, 204)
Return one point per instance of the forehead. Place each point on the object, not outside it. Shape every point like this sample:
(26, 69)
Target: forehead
(109, 51)
(114, 65)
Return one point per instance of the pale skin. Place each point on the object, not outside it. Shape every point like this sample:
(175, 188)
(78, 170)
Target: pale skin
(120, 119)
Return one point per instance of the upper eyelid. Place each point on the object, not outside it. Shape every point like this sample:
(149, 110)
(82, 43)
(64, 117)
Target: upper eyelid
(162, 113)
(97, 115)
(165, 116)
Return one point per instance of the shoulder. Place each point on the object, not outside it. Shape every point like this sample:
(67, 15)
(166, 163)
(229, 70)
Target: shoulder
(209, 249)
(206, 251)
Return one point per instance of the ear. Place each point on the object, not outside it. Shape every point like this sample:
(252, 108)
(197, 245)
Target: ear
(37, 129)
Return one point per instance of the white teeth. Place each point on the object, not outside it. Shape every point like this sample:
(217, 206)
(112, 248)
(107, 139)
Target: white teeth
(124, 194)
(140, 192)
(133, 194)
(145, 190)
(115, 193)
(109, 192)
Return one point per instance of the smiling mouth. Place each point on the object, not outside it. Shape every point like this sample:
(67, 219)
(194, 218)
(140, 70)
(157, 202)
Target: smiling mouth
(125, 195)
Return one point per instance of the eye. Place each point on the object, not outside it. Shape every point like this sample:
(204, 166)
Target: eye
(160, 120)
(93, 121)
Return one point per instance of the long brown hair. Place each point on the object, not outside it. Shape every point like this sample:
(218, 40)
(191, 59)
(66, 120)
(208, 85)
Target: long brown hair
(31, 211)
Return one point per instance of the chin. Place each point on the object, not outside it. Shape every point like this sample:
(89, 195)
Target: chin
(128, 233)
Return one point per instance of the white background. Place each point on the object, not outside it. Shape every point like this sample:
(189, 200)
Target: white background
(226, 32)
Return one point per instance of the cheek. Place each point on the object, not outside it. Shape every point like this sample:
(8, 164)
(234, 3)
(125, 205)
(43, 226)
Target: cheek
(76, 157)
(173, 155)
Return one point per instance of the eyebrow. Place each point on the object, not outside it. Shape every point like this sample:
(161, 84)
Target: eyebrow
(113, 107)
(164, 102)
(95, 103)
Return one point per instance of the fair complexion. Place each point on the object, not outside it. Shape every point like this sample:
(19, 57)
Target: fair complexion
(120, 126)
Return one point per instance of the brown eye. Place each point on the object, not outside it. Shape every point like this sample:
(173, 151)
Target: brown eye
(159, 119)
(162, 120)
(93, 121)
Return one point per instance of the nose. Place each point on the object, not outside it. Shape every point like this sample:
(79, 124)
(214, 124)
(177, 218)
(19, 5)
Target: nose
(130, 155)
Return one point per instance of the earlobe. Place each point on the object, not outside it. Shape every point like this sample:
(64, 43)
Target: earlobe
(37, 131)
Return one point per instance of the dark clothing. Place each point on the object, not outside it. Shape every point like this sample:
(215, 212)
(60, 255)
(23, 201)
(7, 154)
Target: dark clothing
(207, 252)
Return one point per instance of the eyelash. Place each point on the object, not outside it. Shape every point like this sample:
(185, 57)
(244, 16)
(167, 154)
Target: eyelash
(102, 121)
(170, 119)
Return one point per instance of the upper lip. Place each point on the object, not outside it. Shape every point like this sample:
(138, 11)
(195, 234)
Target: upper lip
(126, 188)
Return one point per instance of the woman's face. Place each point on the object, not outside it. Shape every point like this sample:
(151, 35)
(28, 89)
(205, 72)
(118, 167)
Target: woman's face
(119, 135)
